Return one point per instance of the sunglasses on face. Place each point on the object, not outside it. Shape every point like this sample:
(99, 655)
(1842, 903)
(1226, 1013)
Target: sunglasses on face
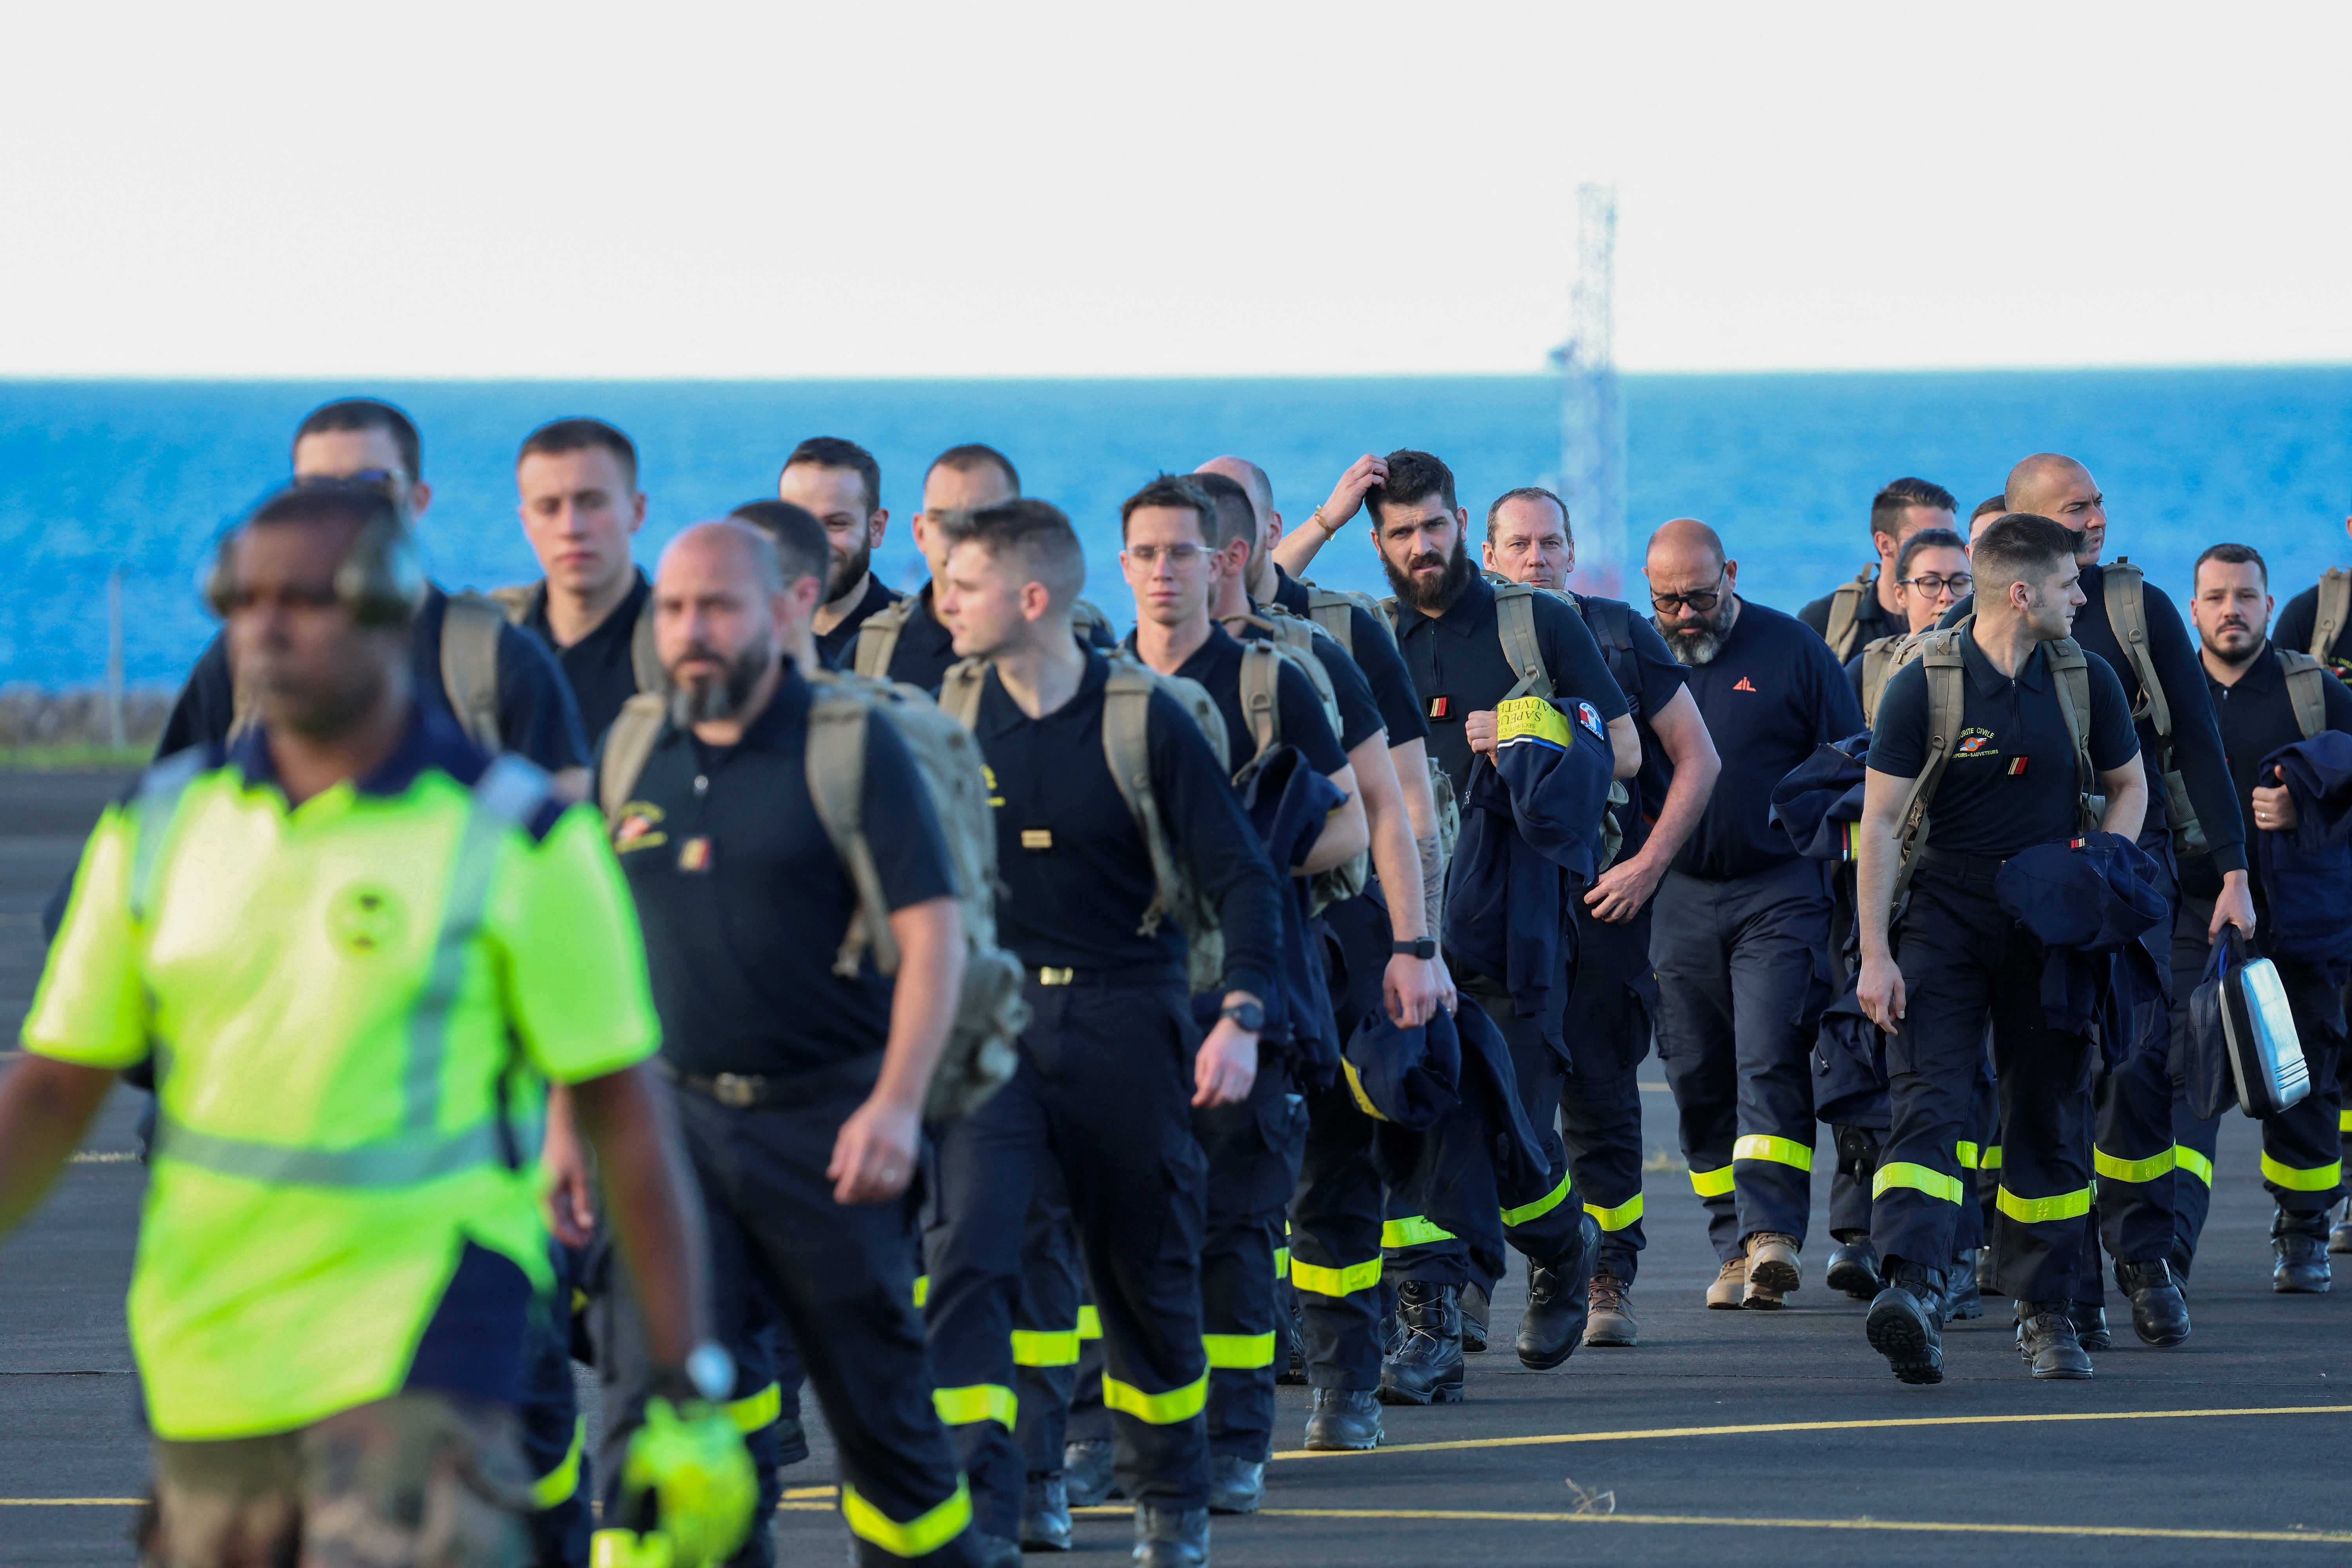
(1701, 600)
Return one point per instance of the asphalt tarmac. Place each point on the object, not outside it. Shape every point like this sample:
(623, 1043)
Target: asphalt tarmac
(1763, 1438)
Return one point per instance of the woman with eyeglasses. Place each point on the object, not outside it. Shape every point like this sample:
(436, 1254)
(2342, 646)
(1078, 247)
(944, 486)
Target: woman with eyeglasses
(1931, 575)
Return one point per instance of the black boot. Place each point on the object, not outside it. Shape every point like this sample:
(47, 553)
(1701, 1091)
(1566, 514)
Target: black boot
(987, 1551)
(1985, 1285)
(1426, 1366)
(2090, 1325)
(1045, 1515)
(1294, 1366)
(1476, 1309)
(1235, 1485)
(2300, 1240)
(2046, 1339)
(1558, 1304)
(1171, 1537)
(2159, 1314)
(1903, 1322)
(1344, 1418)
(1088, 1477)
(2178, 1259)
(1853, 1268)
(1963, 1302)
(2340, 1238)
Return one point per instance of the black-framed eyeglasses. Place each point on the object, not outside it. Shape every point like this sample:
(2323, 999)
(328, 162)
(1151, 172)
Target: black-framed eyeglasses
(1701, 600)
(384, 479)
(1935, 588)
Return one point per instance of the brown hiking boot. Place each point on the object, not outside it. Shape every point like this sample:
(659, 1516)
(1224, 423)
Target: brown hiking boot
(1610, 1320)
(1730, 1284)
(1771, 1264)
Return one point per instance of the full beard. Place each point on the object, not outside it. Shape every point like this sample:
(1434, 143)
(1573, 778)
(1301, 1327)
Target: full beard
(714, 701)
(1438, 596)
(849, 571)
(1695, 644)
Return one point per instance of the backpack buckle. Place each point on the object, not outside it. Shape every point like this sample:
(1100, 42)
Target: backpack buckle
(735, 1090)
(1056, 974)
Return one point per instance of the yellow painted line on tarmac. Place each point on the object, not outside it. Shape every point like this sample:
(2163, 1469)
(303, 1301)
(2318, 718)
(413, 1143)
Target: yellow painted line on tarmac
(1653, 1433)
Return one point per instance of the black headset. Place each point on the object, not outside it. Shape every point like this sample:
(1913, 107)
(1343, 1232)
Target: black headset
(380, 579)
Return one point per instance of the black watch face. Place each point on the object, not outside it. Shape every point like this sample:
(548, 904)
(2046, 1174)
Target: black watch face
(1249, 1015)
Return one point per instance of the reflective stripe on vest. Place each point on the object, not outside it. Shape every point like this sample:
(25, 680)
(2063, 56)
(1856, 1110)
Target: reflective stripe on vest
(1157, 1409)
(1918, 1178)
(1618, 1218)
(2118, 1170)
(2038, 1211)
(503, 799)
(919, 1536)
(1540, 1208)
(1780, 1151)
(977, 1401)
(2317, 1179)
(1345, 1281)
(1712, 1183)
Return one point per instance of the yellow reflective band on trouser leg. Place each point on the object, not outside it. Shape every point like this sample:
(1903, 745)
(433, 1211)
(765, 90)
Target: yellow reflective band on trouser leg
(1990, 1159)
(1540, 1208)
(1412, 1231)
(2034, 1211)
(2184, 1158)
(755, 1411)
(1345, 1281)
(979, 1402)
(1045, 1347)
(2120, 1170)
(1282, 1263)
(1779, 1151)
(1918, 1178)
(1159, 1409)
(2344, 1119)
(560, 1483)
(1618, 1218)
(1239, 1353)
(1713, 1184)
(1967, 1155)
(922, 1290)
(2318, 1179)
(1089, 1322)
(919, 1536)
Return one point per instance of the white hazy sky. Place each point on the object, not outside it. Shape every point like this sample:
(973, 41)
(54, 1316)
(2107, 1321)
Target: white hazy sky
(490, 189)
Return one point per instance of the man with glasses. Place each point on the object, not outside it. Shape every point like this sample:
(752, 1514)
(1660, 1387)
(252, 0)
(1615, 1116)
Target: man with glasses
(1870, 607)
(1741, 935)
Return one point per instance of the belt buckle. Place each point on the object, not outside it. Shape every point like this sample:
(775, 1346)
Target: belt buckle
(735, 1090)
(1055, 974)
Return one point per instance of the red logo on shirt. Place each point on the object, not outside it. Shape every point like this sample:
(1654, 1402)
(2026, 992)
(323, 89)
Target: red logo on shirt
(1744, 685)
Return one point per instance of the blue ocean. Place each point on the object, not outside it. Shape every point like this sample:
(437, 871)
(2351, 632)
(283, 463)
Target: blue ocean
(143, 476)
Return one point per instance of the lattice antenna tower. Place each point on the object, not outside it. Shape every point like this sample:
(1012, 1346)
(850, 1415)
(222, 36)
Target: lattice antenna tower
(1591, 408)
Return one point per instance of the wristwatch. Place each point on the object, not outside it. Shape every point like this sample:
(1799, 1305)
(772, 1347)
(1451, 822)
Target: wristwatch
(1248, 1014)
(1420, 947)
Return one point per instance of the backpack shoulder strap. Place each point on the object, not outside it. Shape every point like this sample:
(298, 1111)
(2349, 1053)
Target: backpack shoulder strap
(2071, 676)
(2335, 609)
(1261, 694)
(517, 601)
(1085, 617)
(1612, 621)
(2124, 587)
(1126, 749)
(1514, 623)
(645, 659)
(1335, 614)
(1878, 668)
(1946, 671)
(839, 716)
(1846, 613)
(877, 638)
(959, 692)
(471, 623)
(627, 745)
(2306, 689)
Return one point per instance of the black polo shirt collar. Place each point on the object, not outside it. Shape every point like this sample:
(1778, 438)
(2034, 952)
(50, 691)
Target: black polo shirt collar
(2262, 673)
(2032, 674)
(620, 621)
(1004, 715)
(1465, 617)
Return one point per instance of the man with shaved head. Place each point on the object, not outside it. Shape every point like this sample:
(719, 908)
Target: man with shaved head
(800, 1089)
(1741, 935)
(2192, 808)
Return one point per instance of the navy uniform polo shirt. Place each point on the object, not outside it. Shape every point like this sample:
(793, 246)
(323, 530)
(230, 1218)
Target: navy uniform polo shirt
(1076, 875)
(1649, 676)
(1217, 665)
(2257, 718)
(744, 902)
(925, 649)
(538, 718)
(1770, 695)
(1374, 648)
(837, 643)
(1457, 665)
(602, 666)
(2011, 782)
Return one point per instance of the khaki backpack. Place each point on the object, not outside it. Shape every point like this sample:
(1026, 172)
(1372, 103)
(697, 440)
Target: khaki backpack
(1328, 608)
(1845, 612)
(1126, 749)
(878, 634)
(469, 670)
(1940, 650)
(2335, 609)
(1292, 641)
(2306, 689)
(1514, 623)
(1880, 658)
(2124, 589)
(990, 1014)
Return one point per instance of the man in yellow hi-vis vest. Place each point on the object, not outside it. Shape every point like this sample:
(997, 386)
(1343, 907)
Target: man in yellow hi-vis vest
(357, 948)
